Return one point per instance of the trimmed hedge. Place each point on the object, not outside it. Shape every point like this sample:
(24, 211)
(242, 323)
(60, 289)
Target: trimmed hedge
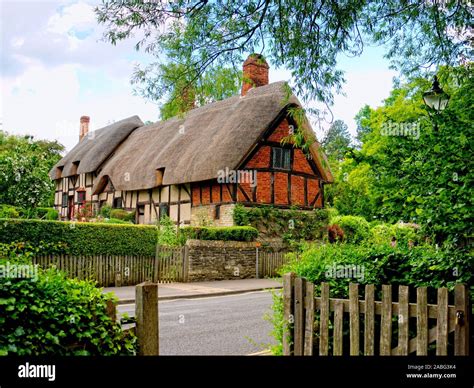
(223, 233)
(82, 238)
(121, 214)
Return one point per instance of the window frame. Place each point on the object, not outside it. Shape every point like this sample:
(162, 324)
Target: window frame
(283, 151)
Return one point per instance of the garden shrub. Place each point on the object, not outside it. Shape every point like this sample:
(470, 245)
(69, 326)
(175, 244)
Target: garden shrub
(122, 214)
(417, 266)
(356, 229)
(7, 211)
(224, 233)
(291, 224)
(167, 233)
(115, 221)
(49, 314)
(82, 238)
(335, 234)
(105, 210)
(404, 234)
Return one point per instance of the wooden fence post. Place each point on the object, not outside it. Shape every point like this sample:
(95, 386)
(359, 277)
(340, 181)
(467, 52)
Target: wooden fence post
(111, 309)
(461, 331)
(288, 316)
(299, 316)
(146, 313)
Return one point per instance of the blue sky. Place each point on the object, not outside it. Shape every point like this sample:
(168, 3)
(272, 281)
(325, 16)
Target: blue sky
(55, 68)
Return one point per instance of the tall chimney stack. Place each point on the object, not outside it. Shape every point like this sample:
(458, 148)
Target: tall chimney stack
(255, 73)
(84, 127)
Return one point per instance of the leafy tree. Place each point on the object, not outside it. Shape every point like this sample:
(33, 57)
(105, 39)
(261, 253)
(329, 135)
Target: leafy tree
(336, 140)
(418, 167)
(24, 167)
(306, 37)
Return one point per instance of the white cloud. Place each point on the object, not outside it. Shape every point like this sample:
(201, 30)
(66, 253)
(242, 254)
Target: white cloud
(77, 17)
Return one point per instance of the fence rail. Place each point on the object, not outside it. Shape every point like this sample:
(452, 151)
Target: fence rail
(310, 317)
(167, 266)
(269, 263)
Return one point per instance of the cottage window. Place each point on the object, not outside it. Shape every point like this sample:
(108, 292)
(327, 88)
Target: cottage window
(118, 203)
(65, 200)
(164, 210)
(81, 197)
(281, 158)
(217, 212)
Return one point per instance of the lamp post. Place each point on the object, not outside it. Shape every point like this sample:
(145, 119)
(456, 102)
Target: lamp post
(436, 98)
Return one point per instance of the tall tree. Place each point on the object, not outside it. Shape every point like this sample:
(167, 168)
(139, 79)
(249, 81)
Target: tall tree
(337, 140)
(306, 37)
(24, 167)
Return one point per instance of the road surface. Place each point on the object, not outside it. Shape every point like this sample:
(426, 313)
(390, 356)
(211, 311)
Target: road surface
(221, 325)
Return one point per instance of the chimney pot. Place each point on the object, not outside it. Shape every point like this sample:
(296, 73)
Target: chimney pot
(84, 127)
(255, 72)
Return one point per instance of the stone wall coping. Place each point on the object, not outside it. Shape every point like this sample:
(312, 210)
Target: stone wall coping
(220, 244)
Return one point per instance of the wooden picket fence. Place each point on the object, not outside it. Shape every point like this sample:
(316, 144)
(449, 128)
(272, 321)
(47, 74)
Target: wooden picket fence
(270, 262)
(168, 265)
(310, 317)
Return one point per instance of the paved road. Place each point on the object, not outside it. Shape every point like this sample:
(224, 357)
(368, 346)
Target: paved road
(225, 325)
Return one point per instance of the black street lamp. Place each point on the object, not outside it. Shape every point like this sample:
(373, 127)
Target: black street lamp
(436, 98)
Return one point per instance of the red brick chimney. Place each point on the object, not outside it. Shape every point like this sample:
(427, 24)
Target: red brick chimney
(255, 73)
(84, 127)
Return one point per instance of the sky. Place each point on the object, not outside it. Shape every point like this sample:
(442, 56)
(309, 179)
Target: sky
(55, 67)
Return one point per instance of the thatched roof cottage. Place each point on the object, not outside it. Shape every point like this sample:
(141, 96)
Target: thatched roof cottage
(197, 167)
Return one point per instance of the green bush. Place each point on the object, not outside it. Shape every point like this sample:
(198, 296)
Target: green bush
(115, 221)
(122, 214)
(356, 229)
(82, 238)
(382, 264)
(105, 210)
(49, 314)
(291, 224)
(7, 211)
(14, 249)
(404, 234)
(224, 233)
(167, 232)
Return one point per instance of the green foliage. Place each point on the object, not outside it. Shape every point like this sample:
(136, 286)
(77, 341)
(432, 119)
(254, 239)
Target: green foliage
(356, 229)
(337, 140)
(382, 264)
(306, 38)
(7, 211)
(49, 314)
(14, 249)
(414, 167)
(122, 214)
(82, 238)
(24, 167)
(105, 210)
(276, 319)
(167, 233)
(291, 224)
(224, 233)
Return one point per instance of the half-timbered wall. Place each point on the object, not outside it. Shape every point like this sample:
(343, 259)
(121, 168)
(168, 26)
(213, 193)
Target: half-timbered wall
(173, 200)
(300, 185)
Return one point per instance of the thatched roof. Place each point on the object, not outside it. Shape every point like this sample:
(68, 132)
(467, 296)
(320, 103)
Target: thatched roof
(195, 147)
(95, 148)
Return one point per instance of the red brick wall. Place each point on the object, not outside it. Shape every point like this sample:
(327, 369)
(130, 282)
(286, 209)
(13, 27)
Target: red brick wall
(280, 132)
(300, 163)
(206, 195)
(216, 193)
(226, 196)
(281, 188)
(297, 190)
(313, 189)
(264, 187)
(195, 195)
(261, 159)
